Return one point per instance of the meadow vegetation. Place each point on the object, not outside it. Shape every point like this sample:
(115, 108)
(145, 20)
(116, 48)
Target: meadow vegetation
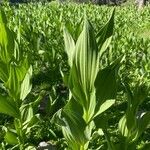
(76, 76)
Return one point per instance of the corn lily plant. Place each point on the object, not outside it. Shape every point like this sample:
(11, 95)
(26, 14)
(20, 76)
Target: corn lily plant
(92, 88)
(15, 75)
(133, 123)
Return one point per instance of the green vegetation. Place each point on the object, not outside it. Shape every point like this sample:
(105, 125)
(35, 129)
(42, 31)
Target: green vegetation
(88, 91)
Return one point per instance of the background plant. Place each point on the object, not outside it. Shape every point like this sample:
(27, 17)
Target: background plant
(39, 25)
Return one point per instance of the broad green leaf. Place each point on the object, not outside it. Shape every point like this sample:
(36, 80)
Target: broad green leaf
(6, 40)
(11, 137)
(16, 76)
(106, 85)
(104, 106)
(128, 133)
(22, 69)
(84, 70)
(13, 83)
(69, 46)
(8, 107)
(130, 119)
(58, 119)
(105, 34)
(26, 84)
(71, 142)
(75, 124)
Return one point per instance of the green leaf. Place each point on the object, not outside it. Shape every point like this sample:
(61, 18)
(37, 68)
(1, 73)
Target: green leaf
(104, 36)
(106, 85)
(4, 72)
(16, 76)
(130, 119)
(6, 40)
(69, 46)
(13, 83)
(104, 106)
(30, 124)
(34, 120)
(26, 84)
(75, 124)
(123, 126)
(143, 122)
(8, 107)
(58, 119)
(84, 70)
(3, 19)
(26, 112)
(11, 137)
(65, 77)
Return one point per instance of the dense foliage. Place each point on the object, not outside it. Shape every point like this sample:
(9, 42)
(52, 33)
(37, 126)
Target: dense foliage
(32, 46)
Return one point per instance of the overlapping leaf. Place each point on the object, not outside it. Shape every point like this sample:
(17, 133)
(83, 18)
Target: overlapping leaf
(85, 68)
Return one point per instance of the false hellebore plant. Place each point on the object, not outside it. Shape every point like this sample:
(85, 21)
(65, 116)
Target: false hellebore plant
(132, 124)
(15, 75)
(92, 89)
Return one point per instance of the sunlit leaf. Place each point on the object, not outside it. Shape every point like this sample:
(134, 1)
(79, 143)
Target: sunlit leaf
(26, 84)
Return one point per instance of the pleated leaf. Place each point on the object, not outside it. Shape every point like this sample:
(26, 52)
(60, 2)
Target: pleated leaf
(75, 124)
(123, 126)
(13, 83)
(6, 39)
(16, 76)
(69, 46)
(85, 68)
(26, 85)
(104, 36)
